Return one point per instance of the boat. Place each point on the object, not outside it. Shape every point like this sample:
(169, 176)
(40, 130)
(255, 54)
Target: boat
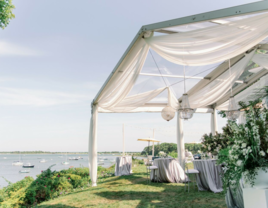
(42, 161)
(73, 158)
(5, 158)
(17, 163)
(100, 164)
(65, 163)
(101, 160)
(24, 171)
(28, 165)
(79, 158)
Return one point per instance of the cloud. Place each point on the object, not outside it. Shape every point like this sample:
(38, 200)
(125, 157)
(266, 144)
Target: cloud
(10, 49)
(38, 98)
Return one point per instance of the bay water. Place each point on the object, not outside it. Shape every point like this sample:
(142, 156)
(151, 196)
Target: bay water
(11, 172)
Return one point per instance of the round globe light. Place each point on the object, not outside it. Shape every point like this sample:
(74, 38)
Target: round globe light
(168, 113)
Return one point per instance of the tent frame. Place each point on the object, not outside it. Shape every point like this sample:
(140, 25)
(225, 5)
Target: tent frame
(161, 27)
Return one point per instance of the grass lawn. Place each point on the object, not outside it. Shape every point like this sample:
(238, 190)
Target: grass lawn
(133, 191)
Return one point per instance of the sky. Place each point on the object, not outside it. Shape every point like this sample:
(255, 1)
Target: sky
(55, 56)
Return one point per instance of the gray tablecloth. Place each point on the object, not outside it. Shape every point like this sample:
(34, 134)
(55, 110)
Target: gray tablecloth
(169, 170)
(209, 178)
(235, 200)
(123, 165)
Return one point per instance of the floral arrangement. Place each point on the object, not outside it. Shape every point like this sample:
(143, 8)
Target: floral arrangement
(249, 150)
(162, 154)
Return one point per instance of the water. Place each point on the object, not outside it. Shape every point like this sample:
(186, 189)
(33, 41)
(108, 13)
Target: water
(11, 172)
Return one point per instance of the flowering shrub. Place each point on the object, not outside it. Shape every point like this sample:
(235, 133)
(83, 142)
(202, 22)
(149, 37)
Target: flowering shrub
(49, 184)
(249, 151)
(214, 143)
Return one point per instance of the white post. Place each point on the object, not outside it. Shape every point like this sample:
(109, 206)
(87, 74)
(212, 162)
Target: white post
(213, 124)
(153, 143)
(92, 146)
(123, 140)
(180, 141)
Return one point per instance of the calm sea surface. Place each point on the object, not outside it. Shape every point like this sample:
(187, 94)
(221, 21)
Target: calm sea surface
(11, 172)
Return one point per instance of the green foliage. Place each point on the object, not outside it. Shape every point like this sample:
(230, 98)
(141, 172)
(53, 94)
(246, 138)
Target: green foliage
(48, 185)
(6, 14)
(249, 148)
(170, 147)
(173, 154)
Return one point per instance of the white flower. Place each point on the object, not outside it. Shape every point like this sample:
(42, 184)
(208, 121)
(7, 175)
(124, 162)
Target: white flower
(262, 153)
(239, 162)
(236, 157)
(209, 148)
(244, 145)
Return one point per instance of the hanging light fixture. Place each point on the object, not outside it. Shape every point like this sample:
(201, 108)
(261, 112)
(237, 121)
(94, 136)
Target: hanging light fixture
(168, 113)
(233, 112)
(185, 111)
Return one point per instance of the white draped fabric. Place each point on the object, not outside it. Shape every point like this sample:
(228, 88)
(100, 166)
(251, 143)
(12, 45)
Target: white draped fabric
(247, 94)
(261, 59)
(213, 44)
(123, 81)
(220, 86)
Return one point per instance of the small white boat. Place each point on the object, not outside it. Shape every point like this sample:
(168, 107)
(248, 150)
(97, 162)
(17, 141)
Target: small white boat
(5, 158)
(101, 160)
(24, 171)
(28, 165)
(79, 158)
(42, 161)
(73, 158)
(17, 163)
(65, 163)
(100, 164)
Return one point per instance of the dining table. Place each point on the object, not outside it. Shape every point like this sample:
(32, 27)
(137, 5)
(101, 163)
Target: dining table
(168, 170)
(209, 177)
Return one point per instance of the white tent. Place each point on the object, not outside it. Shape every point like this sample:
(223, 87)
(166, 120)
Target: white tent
(204, 44)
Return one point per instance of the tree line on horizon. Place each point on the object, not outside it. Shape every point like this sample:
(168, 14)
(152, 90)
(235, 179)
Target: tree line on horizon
(170, 148)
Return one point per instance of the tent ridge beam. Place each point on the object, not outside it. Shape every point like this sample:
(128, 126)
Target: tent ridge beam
(209, 16)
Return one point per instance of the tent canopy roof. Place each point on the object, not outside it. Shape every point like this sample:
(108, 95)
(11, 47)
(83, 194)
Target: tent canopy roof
(157, 72)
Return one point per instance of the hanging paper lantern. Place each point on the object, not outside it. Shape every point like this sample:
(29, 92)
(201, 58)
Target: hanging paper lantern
(233, 112)
(185, 111)
(168, 113)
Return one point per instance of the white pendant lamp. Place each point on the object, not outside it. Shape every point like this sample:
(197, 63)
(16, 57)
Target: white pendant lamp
(233, 112)
(168, 113)
(185, 111)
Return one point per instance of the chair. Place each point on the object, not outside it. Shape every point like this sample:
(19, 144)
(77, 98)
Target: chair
(149, 169)
(189, 172)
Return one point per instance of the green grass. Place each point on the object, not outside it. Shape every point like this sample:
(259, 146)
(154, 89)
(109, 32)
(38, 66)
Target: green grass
(133, 191)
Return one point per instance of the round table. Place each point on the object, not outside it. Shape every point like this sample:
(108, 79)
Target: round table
(169, 170)
(209, 178)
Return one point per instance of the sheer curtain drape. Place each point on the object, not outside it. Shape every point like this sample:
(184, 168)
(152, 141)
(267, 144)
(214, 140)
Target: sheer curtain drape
(213, 44)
